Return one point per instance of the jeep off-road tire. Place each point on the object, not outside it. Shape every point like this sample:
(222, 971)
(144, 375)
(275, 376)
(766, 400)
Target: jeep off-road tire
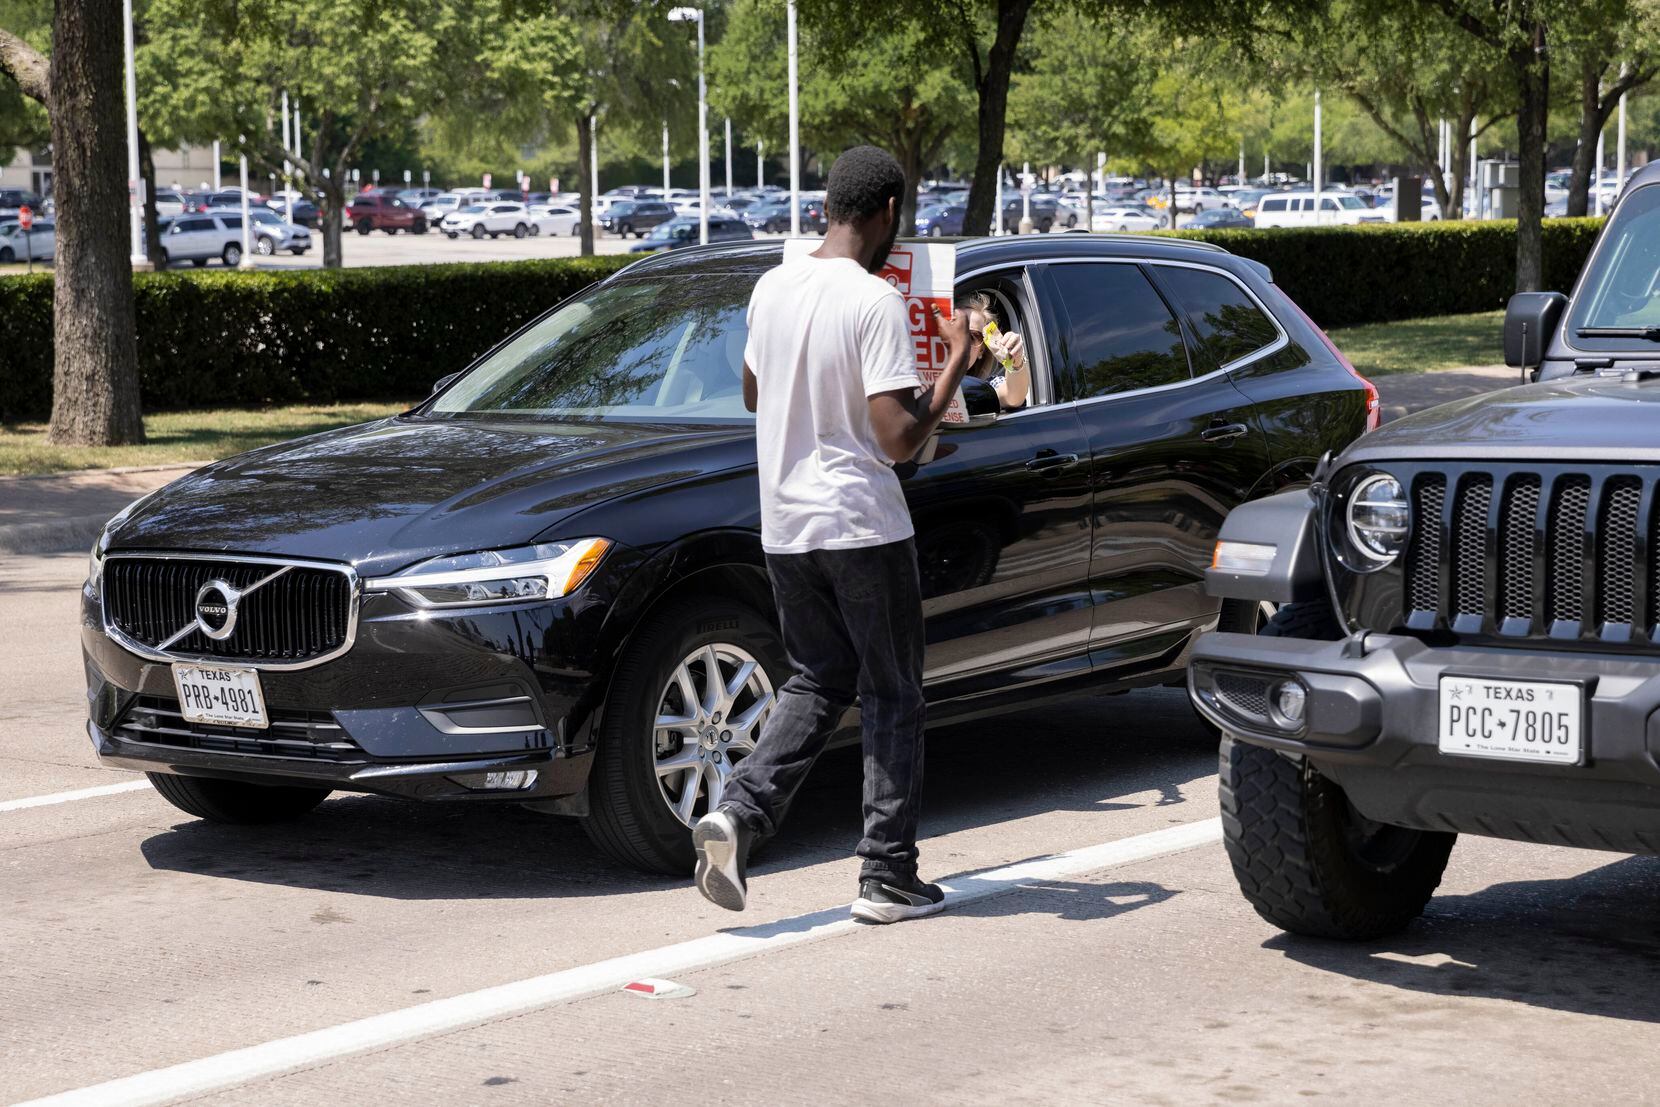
(1308, 862)
(232, 801)
(631, 820)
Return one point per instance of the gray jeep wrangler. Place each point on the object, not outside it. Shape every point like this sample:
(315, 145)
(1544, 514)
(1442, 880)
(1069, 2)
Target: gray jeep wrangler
(1468, 636)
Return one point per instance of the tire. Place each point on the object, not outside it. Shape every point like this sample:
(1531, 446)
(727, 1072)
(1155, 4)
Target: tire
(478, 232)
(164, 260)
(535, 230)
(520, 230)
(7, 255)
(363, 226)
(265, 246)
(1045, 225)
(624, 230)
(418, 227)
(1308, 862)
(1071, 221)
(232, 255)
(390, 230)
(631, 819)
(231, 801)
(452, 234)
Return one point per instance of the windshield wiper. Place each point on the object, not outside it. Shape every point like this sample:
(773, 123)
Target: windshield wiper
(1651, 334)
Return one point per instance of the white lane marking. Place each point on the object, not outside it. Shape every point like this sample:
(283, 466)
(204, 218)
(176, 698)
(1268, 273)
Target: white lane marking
(239, 1066)
(71, 797)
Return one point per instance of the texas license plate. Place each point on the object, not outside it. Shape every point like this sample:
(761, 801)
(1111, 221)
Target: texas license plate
(223, 697)
(1516, 720)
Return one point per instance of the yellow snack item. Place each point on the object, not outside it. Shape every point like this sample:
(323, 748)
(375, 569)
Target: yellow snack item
(991, 331)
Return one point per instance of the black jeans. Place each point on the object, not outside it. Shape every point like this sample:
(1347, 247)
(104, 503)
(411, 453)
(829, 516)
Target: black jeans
(852, 625)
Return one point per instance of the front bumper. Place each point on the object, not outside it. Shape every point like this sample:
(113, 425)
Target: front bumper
(420, 706)
(1371, 720)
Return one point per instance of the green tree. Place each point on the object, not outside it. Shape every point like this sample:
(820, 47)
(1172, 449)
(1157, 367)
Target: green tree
(358, 72)
(888, 93)
(1611, 48)
(23, 120)
(95, 393)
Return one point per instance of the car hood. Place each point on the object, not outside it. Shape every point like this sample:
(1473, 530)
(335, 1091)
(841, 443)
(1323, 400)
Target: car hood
(1573, 419)
(387, 494)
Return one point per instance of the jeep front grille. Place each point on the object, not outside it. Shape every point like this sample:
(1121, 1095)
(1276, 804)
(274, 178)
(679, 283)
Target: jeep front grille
(1554, 553)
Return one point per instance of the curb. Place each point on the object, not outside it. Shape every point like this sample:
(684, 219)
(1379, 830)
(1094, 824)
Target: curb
(53, 536)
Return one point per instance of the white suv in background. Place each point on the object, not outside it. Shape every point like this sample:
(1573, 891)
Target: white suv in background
(201, 237)
(495, 218)
(1296, 209)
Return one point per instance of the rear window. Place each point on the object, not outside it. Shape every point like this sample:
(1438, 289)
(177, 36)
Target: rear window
(1227, 321)
(1119, 335)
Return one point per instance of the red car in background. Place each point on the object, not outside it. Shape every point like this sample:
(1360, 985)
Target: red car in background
(382, 211)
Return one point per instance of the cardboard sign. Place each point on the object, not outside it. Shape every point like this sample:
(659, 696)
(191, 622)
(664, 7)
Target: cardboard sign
(925, 274)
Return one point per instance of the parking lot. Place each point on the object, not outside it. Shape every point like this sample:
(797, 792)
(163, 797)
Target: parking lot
(1097, 948)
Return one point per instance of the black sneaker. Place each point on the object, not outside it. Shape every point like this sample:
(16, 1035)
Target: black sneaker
(722, 843)
(891, 900)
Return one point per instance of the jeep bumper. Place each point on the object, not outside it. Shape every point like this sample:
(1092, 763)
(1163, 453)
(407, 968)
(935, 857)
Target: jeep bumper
(1370, 723)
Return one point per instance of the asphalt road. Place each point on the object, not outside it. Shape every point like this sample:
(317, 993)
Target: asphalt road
(1097, 950)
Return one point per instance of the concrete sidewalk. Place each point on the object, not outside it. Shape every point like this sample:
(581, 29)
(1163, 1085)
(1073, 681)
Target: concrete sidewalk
(66, 511)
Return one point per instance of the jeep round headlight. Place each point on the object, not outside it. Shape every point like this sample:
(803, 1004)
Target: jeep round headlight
(1379, 519)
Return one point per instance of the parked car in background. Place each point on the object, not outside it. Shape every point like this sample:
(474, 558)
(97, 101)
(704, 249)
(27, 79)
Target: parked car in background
(635, 217)
(496, 218)
(439, 206)
(382, 211)
(685, 231)
(541, 584)
(1245, 201)
(1218, 219)
(273, 234)
(1045, 212)
(13, 199)
(940, 219)
(169, 202)
(554, 219)
(772, 218)
(1297, 209)
(1189, 199)
(1129, 217)
(199, 237)
(39, 243)
(415, 197)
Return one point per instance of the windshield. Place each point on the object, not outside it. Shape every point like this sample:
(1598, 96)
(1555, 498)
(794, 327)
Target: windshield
(644, 350)
(1621, 285)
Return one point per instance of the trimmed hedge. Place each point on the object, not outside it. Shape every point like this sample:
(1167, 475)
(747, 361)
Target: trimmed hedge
(1343, 276)
(210, 339)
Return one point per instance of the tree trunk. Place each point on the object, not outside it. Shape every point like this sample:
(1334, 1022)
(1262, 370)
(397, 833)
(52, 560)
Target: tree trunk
(585, 173)
(910, 163)
(330, 220)
(993, 88)
(1593, 116)
(1533, 107)
(152, 222)
(95, 400)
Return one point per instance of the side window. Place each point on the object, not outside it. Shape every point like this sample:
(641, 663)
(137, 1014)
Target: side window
(1328, 203)
(1274, 205)
(231, 222)
(1117, 334)
(1227, 321)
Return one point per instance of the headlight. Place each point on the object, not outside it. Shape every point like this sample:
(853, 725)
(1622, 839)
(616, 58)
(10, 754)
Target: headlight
(1379, 519)
(542, 572)
(95, 565)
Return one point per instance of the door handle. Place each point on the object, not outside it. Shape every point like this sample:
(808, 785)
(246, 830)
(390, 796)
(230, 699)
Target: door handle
(1049, 460)
(1222, 432)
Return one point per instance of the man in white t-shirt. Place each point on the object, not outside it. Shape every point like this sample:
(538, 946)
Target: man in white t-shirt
(830, 371)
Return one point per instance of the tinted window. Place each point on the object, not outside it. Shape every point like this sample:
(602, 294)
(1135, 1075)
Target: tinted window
(1273, 205)
(1228, 322)
(1119, 334)
(189, 225)
(232, 222)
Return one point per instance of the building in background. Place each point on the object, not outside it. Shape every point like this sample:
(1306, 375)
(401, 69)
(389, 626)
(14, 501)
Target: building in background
(190, 167)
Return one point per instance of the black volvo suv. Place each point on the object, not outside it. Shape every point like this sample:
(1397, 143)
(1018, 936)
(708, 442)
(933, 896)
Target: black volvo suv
(545, 585)
(1470, 640)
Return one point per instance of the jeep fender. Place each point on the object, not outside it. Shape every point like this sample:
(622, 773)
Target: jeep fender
(1284, 563)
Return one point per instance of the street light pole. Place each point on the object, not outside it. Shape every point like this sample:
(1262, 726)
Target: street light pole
(287, 145)
(135, 178)
(760, 164)
(1319, 170)
(247, 261)
(684, 15)
(665, 160)
(729, 157)
(795, 131)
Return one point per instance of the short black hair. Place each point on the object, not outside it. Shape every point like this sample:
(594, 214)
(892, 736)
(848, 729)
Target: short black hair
(862, 181)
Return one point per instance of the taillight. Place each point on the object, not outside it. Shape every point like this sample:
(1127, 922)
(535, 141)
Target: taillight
(1374, 407)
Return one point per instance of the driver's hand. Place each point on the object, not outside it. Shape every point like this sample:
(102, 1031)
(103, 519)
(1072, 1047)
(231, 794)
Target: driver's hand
(1014, 348)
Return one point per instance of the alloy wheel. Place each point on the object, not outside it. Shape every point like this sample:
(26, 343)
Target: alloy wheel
(709, 717)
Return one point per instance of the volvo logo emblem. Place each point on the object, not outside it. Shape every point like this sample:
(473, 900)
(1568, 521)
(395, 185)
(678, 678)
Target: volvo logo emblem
(216, 609)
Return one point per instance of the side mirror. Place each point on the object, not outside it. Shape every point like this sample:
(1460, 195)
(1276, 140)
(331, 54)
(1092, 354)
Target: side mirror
(442, 383)
(981, 399)
(1529, 323)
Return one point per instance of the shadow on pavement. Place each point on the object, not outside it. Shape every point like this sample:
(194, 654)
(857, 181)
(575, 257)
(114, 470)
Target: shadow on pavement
(1588, 944)
(1058, 757)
